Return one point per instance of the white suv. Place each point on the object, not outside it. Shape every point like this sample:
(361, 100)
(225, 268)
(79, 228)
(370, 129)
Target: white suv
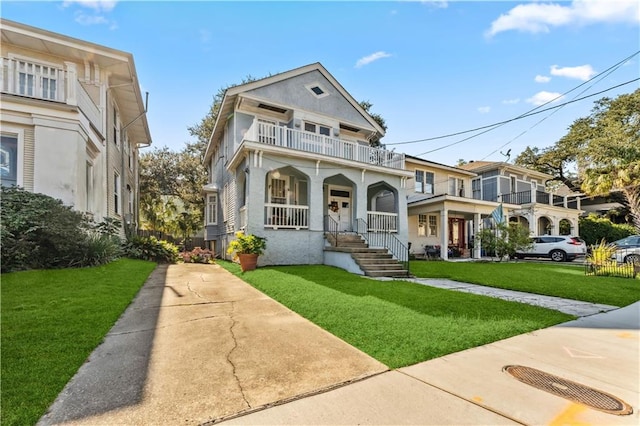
(628, 250)
(559, 248)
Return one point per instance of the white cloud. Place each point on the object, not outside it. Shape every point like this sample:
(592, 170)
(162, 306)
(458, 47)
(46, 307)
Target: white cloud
(484, 109)
(511, 101)
(371, 58)
(542, 79)
(84, 19)
(541, 17)
(440, 4)
(543, 97)
(582, 72)
(97, 5)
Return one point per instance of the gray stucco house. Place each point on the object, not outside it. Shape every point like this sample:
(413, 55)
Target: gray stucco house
(290, 159)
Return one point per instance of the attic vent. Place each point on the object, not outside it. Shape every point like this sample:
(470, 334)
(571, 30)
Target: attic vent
(272, 108)
(317, 89)
(349, 128)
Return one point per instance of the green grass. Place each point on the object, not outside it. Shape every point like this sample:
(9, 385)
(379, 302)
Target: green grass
(398, 323)
(51, 321)
(569, 282)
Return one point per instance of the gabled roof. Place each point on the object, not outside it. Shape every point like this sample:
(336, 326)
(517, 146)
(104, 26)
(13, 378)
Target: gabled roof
(123, 76)
(232, 93)
(484, 166)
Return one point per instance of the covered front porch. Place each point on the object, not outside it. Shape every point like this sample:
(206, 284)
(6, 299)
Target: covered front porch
(446, 226)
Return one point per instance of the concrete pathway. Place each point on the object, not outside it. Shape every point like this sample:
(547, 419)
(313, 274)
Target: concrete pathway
(200, 346)
(470, 387)
(568, 306)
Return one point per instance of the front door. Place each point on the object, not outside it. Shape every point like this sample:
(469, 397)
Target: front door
(456, 232)
(339, 208)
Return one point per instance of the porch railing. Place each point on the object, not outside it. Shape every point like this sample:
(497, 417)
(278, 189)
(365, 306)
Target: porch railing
(41, 81)
(525, 197)
(286, 216)
(299, 140)
(386, 240)
(382, 221)
(331, 227)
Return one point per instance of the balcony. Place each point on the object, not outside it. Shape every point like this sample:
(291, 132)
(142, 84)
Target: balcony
(541, 197)
(269, 134)
(45, 82)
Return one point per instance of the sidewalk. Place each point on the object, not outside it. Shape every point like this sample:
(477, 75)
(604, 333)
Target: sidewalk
(200, 346)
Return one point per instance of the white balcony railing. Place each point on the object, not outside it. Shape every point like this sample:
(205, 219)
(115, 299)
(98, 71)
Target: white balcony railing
(382, 222)
(286, 216)
(40, 81)
(270, 134)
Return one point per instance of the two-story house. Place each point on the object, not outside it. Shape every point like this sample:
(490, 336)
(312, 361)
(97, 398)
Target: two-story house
(73, 119)
(290, 159)
(543, 212)
(443, 216)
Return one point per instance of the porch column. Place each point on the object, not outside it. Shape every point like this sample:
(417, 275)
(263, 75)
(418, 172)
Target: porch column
(444, 238)
(72, 77)
(477, 249)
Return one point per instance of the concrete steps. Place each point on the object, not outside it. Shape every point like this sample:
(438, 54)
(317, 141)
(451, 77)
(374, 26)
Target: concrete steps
(374, 262)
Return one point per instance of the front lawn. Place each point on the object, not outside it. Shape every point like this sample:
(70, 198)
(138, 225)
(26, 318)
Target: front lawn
(567, 281)
(398, 323)
(51, 321)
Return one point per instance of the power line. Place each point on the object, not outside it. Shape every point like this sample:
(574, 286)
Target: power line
(602, 77)
(493, 126)
(532, 111)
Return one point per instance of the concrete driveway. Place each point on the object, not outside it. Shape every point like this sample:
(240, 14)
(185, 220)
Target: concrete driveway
(198, 344)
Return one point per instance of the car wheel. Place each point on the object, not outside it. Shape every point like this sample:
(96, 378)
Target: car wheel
(633, 258)
(558, 256)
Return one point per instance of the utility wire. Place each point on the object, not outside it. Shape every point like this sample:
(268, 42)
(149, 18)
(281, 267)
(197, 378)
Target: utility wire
(601, 77)
(532, 111)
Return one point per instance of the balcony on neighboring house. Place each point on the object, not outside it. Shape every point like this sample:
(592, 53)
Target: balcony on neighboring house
(541, 197)
(284, 137)
(46, 82)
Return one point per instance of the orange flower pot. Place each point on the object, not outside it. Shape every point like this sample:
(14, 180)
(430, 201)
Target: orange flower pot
(248, 262)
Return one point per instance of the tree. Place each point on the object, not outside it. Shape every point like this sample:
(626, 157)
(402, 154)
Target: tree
(505, 239)
(603, 149)
(170, 190)
(366, 105)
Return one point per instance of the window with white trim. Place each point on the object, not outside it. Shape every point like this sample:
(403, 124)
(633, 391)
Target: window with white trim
(433, 225)
(9, 160)
(116, 193)
(456, 187)
(37, 80)
(422, 225)
(424, 182)
(476, 188)
(212, 209)
(130, 199)
(317, 128)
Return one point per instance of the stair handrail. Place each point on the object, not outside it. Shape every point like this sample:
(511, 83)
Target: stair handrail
(331, 226)
(386, 240)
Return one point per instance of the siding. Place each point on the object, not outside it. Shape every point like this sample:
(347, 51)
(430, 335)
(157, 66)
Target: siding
(29, 159)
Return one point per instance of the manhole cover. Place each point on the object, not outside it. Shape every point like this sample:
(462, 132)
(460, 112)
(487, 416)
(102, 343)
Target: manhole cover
(569, 390)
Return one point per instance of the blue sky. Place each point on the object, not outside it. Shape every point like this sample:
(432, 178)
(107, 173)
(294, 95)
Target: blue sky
(429, 68)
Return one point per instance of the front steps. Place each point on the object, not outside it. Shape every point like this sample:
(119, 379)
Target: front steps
(373, 262)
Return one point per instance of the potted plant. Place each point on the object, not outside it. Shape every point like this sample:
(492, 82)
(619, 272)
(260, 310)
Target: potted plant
(247, 248)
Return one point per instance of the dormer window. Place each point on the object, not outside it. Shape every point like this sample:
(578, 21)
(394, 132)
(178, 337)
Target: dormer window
(317, 90)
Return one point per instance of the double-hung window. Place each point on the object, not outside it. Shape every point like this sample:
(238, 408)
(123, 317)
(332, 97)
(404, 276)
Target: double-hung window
(316, 128)
(212, 209)
(424, 182)
(456, 187)
(427, 225)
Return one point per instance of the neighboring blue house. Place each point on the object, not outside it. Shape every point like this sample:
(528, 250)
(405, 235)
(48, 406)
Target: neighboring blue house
(290, 159)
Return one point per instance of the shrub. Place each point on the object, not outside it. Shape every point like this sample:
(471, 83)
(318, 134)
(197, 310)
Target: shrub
(594, 229)
(39, 232)
(150, 248)
(198, 255)
(101, 249)
(247, 244)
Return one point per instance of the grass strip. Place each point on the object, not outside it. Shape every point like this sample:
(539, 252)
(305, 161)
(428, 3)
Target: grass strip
(566, 281)
(51, 321)
(398, 323)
